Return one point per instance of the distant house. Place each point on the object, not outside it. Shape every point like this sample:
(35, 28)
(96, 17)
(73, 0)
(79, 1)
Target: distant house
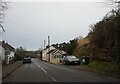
(56, 55)
(8, 52)
(52, 54)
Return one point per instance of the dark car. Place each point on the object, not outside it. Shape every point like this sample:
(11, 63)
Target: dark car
(26, 59)
(71, 60)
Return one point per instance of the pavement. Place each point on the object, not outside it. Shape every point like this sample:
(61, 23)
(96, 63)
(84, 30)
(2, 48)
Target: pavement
(7, 69)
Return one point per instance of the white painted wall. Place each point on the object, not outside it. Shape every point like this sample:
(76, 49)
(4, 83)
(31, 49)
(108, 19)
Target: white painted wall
(45, 57)
(2, 53)
(55, 57)
(10, 56)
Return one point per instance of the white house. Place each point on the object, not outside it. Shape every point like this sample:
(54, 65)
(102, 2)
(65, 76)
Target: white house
(56, 56)
(45, 56)
(8, 52)
(52, 54)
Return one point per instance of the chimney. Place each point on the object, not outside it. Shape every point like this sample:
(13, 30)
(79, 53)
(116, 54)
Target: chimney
(48, 41)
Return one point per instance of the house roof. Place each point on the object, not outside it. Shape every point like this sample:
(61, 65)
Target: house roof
(56, 46)
(48, 47)
(7, 46)
(52, 51)
(56, 50)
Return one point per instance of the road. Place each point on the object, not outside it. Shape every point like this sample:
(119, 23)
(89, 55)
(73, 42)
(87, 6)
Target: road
(40, 71)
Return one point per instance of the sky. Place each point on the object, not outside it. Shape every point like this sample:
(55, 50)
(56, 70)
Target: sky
(28, 23)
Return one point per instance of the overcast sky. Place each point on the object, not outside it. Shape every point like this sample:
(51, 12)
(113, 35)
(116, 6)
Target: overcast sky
(28, 24)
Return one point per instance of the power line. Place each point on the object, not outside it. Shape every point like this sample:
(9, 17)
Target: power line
(23, 26)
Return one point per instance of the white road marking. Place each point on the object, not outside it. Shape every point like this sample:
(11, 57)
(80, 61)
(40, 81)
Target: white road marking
(43, 70)
(39, 66)
(54, 79)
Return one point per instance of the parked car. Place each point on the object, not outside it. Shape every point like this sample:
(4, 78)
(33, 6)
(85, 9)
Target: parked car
(26, 59)
(71, 60)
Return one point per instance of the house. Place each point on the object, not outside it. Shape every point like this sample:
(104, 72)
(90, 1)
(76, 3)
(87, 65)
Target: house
(8, 52)
(2, 51)
(56, 55)
(52, 54)
(45, 56)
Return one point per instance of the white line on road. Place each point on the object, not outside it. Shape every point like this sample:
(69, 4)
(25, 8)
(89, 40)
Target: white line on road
(43, 70)
(54, 79)
(39, 66)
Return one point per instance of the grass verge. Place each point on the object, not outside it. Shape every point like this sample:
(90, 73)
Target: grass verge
(100, 66)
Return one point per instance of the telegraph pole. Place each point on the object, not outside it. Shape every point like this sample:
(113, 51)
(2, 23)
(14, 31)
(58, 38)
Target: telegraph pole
(1, 32)
(49, 47)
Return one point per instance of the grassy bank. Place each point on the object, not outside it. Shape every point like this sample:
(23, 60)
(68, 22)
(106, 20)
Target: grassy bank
(100, 66)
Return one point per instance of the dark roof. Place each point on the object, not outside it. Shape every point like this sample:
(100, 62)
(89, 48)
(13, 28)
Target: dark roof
(56, 46)
(7, 46)
(47, 47)
(51, 51)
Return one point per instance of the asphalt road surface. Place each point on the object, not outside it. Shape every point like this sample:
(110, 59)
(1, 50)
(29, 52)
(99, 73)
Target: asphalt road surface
(40, 71)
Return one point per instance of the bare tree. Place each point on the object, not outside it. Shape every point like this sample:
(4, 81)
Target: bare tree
(114, 3)
(3, 6)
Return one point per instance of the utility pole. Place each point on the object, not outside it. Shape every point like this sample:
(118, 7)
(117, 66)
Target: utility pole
(41, 52)
(1, 32)
(49, 47)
